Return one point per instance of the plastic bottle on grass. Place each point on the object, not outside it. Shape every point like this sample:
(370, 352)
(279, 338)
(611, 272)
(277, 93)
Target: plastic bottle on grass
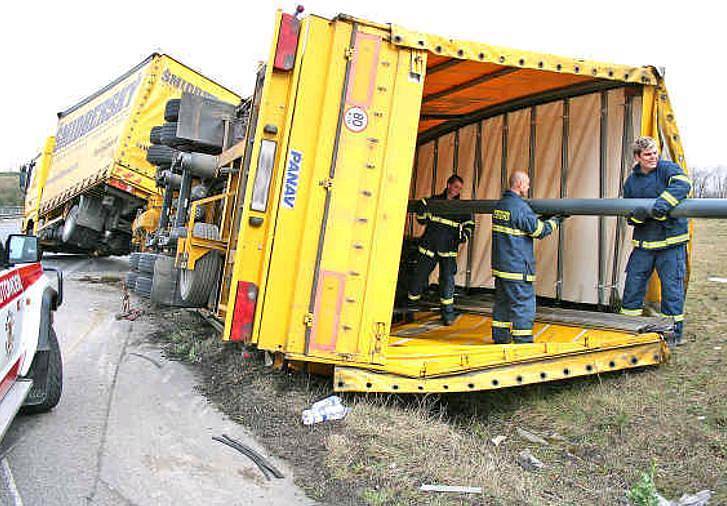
(325, 410)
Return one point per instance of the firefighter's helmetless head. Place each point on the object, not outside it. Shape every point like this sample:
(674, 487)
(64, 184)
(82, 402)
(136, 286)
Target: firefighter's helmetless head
(454, 187)
(520, 183)
(646, 153)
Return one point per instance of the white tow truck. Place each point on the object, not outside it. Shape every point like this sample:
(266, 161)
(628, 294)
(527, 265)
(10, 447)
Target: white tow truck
(31, 370)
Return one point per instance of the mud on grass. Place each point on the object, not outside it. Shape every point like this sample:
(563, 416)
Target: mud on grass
(602, 433)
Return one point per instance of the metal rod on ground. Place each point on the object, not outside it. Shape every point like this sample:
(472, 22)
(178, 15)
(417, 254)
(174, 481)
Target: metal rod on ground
(688, 208)
(266, 472)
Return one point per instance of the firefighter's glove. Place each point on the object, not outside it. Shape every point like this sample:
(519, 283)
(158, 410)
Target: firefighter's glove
(640, 214)
(659, 213)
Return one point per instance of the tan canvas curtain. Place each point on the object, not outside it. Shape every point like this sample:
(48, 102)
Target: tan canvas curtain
(532, 139)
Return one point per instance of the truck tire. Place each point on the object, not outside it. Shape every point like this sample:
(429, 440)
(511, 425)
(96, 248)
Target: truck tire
(169, 135)
(134, 260)
(69, 225)
(143, 285)
(130, 280)
(162, 156)
(196, 285)
(146, 263)
(171, 110)
(155, 135)
(47, 389)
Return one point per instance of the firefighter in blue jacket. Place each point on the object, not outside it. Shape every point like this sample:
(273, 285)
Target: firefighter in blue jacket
(514, 226)
(659, 239)
(439, 245)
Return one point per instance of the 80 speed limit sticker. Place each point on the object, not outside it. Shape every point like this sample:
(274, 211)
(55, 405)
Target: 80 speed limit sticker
(356, 119)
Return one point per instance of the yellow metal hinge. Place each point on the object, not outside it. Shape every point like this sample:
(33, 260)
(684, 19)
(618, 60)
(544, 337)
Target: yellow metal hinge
(308, 319)
(379, 335)
(348, 53)
(326, 183)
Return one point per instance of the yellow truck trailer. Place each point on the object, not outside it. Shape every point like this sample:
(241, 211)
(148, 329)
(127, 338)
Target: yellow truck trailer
(92, 177)
(350, 119)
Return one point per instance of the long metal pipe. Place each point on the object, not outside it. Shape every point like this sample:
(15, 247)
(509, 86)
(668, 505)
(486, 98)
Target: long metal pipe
(689, 208)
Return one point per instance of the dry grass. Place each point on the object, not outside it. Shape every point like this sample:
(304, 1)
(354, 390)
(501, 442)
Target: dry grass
(602, 432)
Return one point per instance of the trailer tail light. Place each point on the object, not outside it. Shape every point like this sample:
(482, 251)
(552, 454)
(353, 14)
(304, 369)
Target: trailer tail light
(287, 42)
(244, 313)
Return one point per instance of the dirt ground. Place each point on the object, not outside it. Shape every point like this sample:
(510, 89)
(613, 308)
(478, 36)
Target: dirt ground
(600, 434)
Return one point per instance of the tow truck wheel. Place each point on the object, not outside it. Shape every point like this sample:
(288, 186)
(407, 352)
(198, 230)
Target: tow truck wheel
(196, 285)
(46, 391)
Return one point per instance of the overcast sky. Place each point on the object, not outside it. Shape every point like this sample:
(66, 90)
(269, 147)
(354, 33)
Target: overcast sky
(56, 53)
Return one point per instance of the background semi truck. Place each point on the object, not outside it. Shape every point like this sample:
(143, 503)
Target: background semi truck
(301, 240)
(94, 175)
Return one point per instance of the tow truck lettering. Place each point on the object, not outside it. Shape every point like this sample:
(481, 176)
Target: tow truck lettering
(292, 178)
(10, 287)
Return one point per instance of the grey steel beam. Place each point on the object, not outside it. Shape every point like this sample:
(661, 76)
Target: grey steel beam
(602, 167)
(688, 208)
(563, 193)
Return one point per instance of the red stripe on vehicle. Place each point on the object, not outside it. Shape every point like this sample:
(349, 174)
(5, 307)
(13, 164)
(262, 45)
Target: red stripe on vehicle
(17, 281)
(9, 378)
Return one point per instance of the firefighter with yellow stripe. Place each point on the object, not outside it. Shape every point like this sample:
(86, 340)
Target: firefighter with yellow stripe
(438, 245)
(514, 226)
(659, 239)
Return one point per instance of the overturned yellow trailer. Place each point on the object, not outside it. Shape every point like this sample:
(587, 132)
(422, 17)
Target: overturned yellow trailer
(353, 118)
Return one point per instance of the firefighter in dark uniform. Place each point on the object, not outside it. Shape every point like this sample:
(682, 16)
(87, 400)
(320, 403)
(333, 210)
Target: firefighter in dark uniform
(439, 245)
(514, 226)
(659, 239)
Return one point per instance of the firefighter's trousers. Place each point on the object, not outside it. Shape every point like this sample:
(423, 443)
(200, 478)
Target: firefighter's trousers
(514, 311)
(670, 265)
(420, 280)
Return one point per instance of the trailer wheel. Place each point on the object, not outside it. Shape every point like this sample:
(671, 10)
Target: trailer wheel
(48, 392)
(161, 155)
(169, 135)
(171, 110)
(134, 260)
(146, 263)
(143, 286)
(130, 280)
(155, 135)
(196, 285)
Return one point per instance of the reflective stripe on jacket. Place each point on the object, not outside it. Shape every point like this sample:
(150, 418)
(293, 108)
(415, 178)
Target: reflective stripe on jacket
(443, 234)
(514, 226)
(668, 185)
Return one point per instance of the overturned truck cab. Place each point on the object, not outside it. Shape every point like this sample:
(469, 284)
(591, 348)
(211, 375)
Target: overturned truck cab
(349, 121)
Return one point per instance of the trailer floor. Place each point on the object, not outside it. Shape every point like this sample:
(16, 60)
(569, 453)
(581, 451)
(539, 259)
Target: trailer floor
(427, 356)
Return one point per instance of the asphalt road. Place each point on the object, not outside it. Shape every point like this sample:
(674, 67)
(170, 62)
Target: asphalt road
(130, 429)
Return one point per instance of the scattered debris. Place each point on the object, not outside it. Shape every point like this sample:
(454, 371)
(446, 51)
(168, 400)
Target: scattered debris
(557, 437)
(715, 279)
(498, 439)
(698, 499)
(140, 355)
(529, 436)
(448, 488)
(528, 461)
(261, 462)
(131, 314)
(330, 408)
(717, 348)
(701, 418)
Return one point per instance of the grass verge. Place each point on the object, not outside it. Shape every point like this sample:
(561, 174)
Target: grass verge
(603, 433)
